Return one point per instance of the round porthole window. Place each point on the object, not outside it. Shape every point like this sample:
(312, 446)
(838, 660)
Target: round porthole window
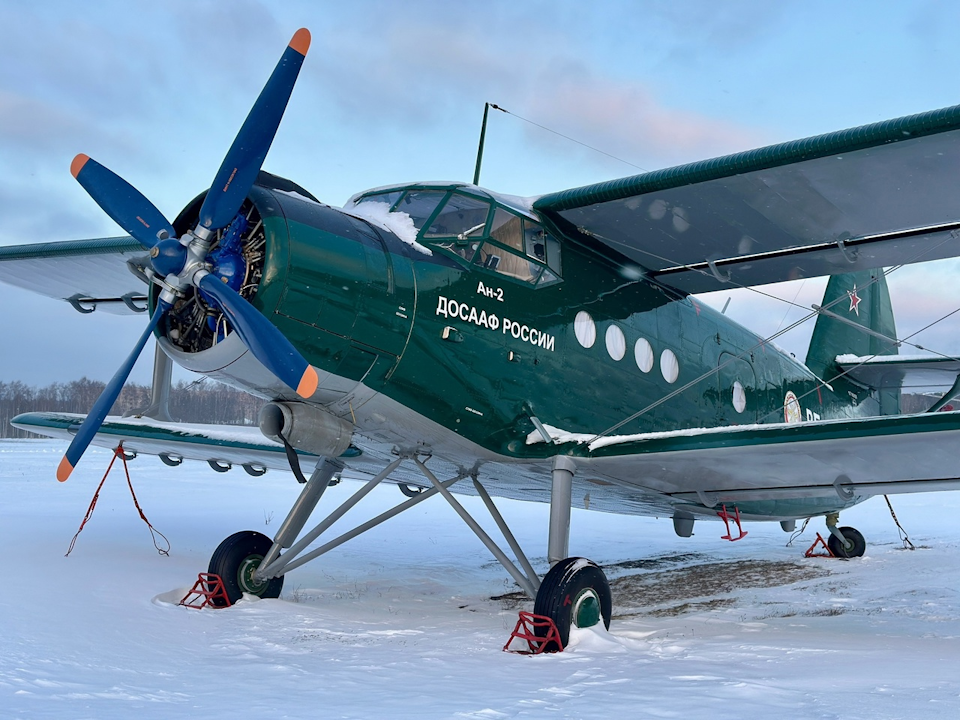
(739, 397)
(616, 342)
(585, 329)
(669, 366)
(644, 355)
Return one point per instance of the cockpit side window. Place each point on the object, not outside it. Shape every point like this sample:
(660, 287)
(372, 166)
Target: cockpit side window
(507, 229)
(553, 254)
(461, 217)
(526, 241)
(420, 205)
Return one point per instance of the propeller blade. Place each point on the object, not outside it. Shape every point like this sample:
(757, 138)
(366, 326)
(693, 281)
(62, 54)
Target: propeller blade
(108, 397)
(262, 338)
(121, 201)
(245, 157)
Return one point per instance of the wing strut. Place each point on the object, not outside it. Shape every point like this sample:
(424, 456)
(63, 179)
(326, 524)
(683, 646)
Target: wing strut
(273, 565)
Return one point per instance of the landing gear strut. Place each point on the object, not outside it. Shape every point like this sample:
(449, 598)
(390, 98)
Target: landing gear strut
(844, 542)
(853, 544)
(575, 592)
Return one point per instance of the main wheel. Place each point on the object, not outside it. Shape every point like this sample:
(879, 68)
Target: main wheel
(236, 559)
(855, 545)
(574, 593)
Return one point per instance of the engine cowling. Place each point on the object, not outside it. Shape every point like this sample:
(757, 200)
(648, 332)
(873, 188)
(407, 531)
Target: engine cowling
(340, 290)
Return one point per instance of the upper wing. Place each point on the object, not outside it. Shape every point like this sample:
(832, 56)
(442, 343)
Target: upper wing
(858, 199)
(105, 273)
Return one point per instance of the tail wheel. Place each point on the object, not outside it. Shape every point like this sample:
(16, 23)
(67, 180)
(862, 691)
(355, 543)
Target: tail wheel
(236, 560)
(854, 546)
(575, 593)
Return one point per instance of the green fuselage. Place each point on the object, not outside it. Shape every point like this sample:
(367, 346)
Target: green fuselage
(480, 354)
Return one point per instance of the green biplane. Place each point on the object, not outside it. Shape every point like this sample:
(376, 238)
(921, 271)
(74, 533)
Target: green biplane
(451, 339)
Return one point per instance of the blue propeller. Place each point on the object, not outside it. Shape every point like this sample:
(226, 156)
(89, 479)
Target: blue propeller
(180, 263)
(125, 205)
(260, 336)
(242, 163)
(107, 398)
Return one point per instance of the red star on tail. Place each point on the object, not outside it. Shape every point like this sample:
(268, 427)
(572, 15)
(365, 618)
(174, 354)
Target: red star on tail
(854, 301)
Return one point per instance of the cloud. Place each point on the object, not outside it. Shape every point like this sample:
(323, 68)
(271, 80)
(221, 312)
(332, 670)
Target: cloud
(625, 119)
(704, 28)
(411, 72)
(30, 126)
(35, 212)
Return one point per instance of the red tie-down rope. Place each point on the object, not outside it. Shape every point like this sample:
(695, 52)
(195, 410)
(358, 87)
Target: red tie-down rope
(118, 453)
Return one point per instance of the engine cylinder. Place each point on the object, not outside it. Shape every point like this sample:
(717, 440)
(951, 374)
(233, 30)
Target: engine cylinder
(306, 428)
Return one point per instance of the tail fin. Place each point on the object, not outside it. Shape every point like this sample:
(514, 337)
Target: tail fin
(861, 299)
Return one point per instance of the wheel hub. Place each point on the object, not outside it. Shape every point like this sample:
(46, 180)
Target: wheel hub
(246, 575)
(586, 609)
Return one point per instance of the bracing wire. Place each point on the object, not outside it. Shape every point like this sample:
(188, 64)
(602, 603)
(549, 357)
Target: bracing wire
(567, 137)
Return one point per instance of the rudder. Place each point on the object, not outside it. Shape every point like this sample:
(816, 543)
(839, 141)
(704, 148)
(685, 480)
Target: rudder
(860, 299)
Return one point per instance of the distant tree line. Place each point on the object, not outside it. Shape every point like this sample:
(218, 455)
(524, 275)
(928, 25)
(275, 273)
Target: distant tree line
(204, 401)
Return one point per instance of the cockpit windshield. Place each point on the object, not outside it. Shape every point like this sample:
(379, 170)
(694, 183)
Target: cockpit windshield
(478, 231)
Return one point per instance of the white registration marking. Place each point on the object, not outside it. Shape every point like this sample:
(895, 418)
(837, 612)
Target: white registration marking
(490, 292)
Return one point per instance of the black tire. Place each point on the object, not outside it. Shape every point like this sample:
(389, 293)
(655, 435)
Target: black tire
(235, 560)
(855, 546)
(574, 592)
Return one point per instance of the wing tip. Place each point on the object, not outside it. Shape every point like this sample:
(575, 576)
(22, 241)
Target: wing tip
(78, 162)
(66, 467)
(300, 41)
(308, 383)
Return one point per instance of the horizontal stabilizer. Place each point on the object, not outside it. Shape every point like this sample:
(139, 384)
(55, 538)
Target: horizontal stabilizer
(904, 371)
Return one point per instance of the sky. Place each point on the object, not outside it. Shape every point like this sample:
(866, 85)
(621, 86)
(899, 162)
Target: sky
(394, 92)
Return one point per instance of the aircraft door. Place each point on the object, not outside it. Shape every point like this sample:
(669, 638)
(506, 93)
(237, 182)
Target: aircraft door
(737, 390)
(383, 323)
(344, 281)
(385, 316)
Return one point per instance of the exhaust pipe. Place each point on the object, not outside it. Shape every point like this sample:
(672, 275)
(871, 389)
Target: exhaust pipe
(306, 428)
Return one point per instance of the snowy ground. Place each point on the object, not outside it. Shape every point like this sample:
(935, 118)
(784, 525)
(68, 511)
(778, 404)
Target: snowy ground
(400, 622)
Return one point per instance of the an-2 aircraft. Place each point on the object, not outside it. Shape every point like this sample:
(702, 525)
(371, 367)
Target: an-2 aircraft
(448, 338)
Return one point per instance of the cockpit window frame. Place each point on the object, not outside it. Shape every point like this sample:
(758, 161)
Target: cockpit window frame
(452, 246)
(466, 251)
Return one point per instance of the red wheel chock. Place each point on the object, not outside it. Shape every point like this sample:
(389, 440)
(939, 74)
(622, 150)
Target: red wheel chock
(727, 517)
(526, 629)
(811, 551)
(209, 587)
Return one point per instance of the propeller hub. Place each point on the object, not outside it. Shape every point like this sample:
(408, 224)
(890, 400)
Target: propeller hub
(168, 257)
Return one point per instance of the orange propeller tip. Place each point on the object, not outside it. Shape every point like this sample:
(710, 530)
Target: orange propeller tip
(308, 382)
(301, 41)
(63, 472)
(77, 165)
